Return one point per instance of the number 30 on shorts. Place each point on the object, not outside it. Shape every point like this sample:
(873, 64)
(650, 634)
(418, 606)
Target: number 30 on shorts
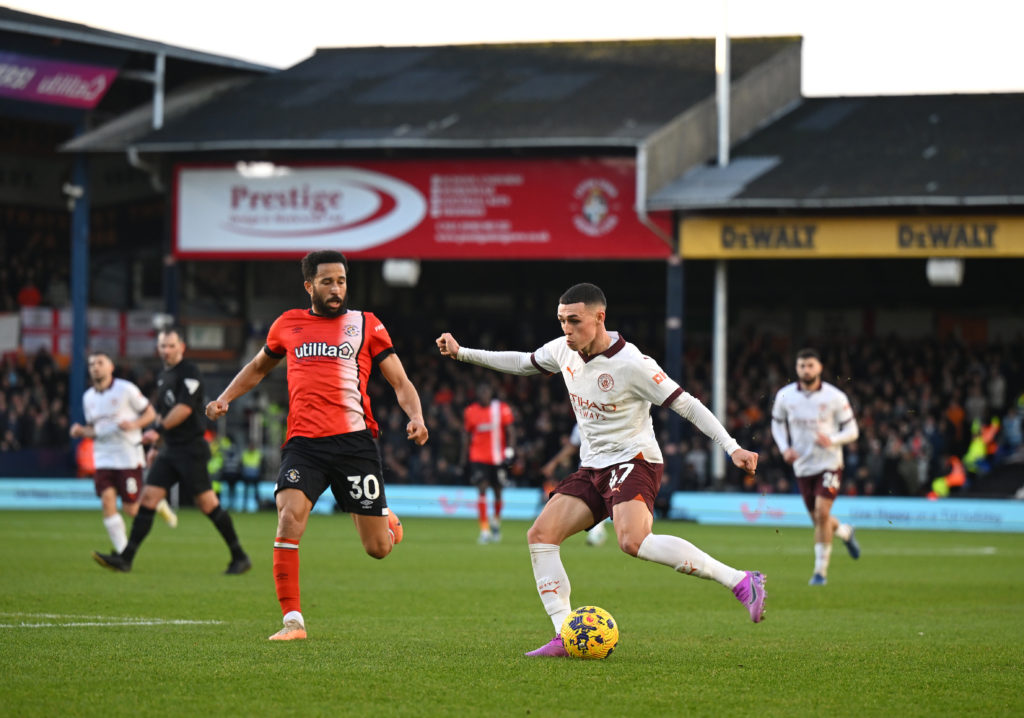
(364, 486)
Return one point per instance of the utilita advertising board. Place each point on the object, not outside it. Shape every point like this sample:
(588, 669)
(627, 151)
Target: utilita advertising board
(448, 209)
(54, 82)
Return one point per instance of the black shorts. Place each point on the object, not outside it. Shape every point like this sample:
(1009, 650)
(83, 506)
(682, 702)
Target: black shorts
(182, 462)
(602, 489)
(349, 463)
(484, 475)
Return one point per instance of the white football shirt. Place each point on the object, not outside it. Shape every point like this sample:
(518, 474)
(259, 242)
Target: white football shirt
(114, 448)
(804, 414)
(611, 394)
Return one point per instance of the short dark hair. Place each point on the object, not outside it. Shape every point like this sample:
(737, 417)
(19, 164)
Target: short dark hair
(99, 353)
(808, 353)
(321, 256)
(587, 293)
(174, 329)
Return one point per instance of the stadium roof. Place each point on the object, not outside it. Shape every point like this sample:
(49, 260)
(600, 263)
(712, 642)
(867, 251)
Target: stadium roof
(13, 21)
(922, 150)
(575, 94)
(139, 63)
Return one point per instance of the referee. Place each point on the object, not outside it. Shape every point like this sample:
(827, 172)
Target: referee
(179, 403)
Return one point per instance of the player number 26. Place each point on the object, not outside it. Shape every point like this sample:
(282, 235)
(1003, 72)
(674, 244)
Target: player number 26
(830, 480)
(367, 486)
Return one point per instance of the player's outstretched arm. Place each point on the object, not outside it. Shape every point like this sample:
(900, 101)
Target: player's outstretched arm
(448, 346)
(244, 381)
(408, 398)
(690, 408)
(508, 362)
(746, 460)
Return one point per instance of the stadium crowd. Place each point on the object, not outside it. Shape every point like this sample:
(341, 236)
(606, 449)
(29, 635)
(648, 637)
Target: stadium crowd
(919, 404)
(33, 403)
(922, 407)
(29, 239)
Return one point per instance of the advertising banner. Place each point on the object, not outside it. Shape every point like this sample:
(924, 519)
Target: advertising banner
(54, 82)
(851, 237)
(524, 504)
(421, 209)
(747, 509)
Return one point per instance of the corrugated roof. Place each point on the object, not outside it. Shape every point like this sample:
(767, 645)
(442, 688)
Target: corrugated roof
(920, 150)
(528, 95)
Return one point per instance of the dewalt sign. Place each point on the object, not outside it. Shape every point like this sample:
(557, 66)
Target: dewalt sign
(853, 237)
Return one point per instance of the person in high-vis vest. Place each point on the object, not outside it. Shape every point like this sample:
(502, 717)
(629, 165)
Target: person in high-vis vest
(252, 470)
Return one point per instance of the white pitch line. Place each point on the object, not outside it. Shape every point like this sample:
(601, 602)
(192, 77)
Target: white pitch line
(78, 624)
(94, 621)
(73, 615)
(888, 551)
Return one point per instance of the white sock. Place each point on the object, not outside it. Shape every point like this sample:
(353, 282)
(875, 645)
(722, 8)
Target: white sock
(294, 616)
(552, 581)
(115, 529)
(822, 554)
(843, 532)
(686, 558)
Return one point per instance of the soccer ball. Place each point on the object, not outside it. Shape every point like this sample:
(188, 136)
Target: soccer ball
(589, 632)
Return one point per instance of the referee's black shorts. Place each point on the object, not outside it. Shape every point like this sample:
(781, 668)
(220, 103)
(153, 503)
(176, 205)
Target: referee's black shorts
(185, 463)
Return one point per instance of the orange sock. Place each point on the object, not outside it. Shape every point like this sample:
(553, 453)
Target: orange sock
(481, 507)
(286, 573)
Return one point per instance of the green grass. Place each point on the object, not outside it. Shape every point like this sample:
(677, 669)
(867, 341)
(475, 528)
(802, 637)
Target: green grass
(925, 624)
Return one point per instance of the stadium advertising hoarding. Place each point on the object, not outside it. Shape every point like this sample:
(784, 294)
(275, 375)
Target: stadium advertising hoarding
(713, 508)
(54, 82)
(424, 209)
(851, 237)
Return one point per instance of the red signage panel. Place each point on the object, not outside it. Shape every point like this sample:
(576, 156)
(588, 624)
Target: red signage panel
(423, 209)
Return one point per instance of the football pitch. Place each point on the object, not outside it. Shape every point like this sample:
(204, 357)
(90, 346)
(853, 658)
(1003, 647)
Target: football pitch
(924, 624)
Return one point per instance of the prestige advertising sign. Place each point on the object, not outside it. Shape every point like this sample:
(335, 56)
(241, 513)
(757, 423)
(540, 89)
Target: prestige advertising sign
(467, 209)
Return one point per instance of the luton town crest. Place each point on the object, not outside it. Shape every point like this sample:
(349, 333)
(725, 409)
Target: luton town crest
(595, 214)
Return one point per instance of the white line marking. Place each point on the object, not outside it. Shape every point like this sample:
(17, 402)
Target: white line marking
(86, 621)
(886, 551)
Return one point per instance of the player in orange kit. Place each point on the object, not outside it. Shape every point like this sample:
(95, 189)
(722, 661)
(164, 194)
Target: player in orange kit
(331, 440)
(490, 436)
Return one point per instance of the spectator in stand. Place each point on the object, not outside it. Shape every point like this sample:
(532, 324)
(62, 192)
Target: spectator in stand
(976, 404)
(1012, 435)
(29, 294)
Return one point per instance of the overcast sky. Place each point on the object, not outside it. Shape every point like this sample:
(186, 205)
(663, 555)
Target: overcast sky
(870, 47)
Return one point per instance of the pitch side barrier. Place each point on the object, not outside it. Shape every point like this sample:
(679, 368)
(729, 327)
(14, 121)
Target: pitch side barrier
(734, 509)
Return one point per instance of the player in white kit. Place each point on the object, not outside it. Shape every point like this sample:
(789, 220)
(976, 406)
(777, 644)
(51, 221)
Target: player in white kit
(612, 386)
(811, 421)
(115, 412)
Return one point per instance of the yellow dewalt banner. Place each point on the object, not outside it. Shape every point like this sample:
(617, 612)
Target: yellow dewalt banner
(862, 237)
